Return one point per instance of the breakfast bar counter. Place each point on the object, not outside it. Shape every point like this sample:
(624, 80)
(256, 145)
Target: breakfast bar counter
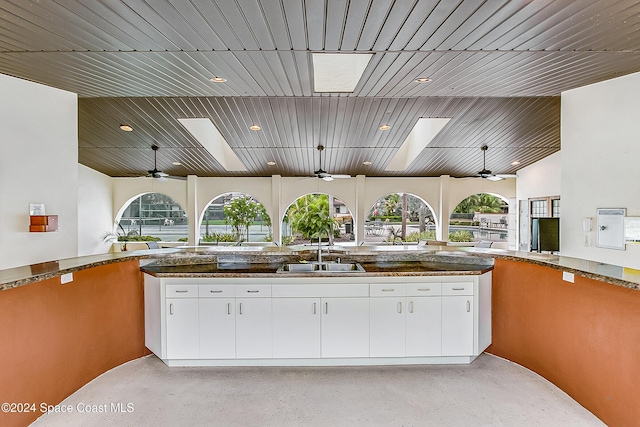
(575, 322)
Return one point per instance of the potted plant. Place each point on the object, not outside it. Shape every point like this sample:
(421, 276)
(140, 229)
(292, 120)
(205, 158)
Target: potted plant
(119, 235)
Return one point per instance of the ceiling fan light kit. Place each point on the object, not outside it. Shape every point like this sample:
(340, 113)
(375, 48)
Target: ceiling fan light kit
(321, 173)
(485, 173)
(158, 174)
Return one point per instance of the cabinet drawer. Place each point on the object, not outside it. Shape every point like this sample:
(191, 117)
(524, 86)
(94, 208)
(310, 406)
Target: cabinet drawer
(216, 291)
(248, 291)
(457, 288)
(424, 289)
(182, 291)
(384, 290)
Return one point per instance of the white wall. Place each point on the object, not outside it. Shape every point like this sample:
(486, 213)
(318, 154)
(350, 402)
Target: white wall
(541, 179)
(600, 127)
(38, 164)
(95, 208)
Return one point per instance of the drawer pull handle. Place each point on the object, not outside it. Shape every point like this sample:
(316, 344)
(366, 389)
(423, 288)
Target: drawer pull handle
(171, 309)
(326, 308)
(181, 291)
(252, 291)
(399, 308)
(424, 289)
(216, 292)
(314, 308)
(240, 308)
(468, 306)
(388, 290)
(458, 289)
(410, 306)
(229, 308)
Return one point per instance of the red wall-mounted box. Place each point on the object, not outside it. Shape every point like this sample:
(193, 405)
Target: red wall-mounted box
(40, 223)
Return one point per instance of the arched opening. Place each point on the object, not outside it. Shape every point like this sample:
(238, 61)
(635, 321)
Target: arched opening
(399, 217)
(312, 212)
(480, 217)
(152, 217)
(233, 218)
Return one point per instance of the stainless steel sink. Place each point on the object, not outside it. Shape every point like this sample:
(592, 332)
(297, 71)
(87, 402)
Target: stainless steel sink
(346, 267)
(325, 267)
(298, 267)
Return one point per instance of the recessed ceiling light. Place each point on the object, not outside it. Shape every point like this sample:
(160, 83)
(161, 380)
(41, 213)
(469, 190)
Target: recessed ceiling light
(515, 162)
(176, 163)
(254, 127)
(422, 80)
(384, 127)
(366, 163)
(218, 79)
(126, 128)
(271, 163)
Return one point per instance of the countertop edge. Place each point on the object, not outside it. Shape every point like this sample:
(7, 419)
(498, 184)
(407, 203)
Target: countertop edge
(607, 273)
(316, 274)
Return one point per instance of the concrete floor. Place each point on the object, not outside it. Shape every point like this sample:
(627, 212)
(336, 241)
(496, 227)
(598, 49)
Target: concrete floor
(488, 392)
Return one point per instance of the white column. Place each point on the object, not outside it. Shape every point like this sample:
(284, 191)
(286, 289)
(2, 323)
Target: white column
(512, 219)
(442, 229)
(193, 213)
(361, 209)
(276, 209)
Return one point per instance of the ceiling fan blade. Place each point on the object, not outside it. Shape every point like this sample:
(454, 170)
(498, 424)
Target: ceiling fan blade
(506, 175)
(327, 178)
(494, 178)
(337, 176)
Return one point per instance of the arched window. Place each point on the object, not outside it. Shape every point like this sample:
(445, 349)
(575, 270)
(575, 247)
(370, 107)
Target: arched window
(480, 217)
(234, 218)
(153, 216)
(399, 217)
(313, 212)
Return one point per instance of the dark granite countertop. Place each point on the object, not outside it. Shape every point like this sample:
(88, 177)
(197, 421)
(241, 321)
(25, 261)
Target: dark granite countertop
(377, 261)
(264, 269)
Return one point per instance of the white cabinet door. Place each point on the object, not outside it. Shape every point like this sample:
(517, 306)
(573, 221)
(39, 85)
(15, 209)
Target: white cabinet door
(253, 328)
(217, 322)
(345, 327)
(182, 328)
(424, 326)
(296, 327)
(387, 327)
(457, 325)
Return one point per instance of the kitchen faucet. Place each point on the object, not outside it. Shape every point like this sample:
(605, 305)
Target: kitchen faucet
(320, 248)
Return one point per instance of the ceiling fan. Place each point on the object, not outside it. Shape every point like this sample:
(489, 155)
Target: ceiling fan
(485, 173)
(155, 173)
(324, 175)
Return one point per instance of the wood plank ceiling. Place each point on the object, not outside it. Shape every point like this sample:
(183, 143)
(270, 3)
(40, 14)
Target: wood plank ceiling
(497, 69)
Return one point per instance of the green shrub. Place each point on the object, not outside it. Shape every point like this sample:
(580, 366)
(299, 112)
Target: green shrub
(417, 236)
(183, 239)
(219, 237)
(391, 218)
(286, 240)
(135, 238)
(461, 236)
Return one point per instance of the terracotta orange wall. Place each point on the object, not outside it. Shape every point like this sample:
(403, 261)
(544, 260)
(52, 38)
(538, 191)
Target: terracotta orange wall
(583, 336)
(55, 338)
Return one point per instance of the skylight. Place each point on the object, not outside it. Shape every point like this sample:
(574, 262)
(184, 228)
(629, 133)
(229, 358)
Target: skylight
(420, 136)
(338, 72)
(212, 140)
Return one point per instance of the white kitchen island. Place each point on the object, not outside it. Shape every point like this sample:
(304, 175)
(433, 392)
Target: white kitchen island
(302, 320)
